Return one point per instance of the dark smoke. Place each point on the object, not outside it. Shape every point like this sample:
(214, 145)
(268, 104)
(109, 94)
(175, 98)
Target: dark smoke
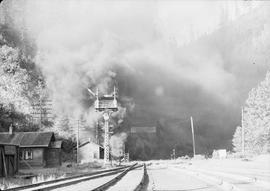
(165, 99)
(170, 61)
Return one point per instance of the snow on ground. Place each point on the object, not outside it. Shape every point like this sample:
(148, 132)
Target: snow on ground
(167, 179)
(243, 174)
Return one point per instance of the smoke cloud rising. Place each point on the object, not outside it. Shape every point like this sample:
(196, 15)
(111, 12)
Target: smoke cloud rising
(170, 60)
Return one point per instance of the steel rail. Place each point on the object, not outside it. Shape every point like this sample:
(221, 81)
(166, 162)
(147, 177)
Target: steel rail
(72, 179)
(116, 179)
(143, 181)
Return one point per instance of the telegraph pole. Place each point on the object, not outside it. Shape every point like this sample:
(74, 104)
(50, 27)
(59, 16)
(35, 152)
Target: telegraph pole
(193, 138)
(97, 133)
(242, 133)
(78, 125)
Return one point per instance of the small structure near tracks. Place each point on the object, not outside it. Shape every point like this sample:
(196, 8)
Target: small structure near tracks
(90, 152)
(219, 154)
(28, 150)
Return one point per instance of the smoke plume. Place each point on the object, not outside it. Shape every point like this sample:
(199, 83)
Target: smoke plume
(171, 60)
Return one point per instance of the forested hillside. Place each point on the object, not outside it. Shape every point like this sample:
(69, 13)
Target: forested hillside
(20, 82)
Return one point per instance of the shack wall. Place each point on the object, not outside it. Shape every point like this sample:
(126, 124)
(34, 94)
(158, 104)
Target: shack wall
(89, 153)
(53, 157)
(37, 159)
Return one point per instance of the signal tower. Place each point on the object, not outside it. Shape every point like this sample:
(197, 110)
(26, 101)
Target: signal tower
(107, 104)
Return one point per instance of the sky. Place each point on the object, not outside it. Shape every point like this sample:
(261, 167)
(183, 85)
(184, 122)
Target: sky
(170, 59)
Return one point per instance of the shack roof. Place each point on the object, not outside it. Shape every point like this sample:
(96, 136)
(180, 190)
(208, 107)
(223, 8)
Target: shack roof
(27, 139)
(10, 139)
(56, 145)
(90, 143)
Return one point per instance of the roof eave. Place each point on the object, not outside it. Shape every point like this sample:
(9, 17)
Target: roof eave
(27, 146)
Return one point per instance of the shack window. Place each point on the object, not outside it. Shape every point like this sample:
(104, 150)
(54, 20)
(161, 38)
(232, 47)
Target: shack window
(26, 154)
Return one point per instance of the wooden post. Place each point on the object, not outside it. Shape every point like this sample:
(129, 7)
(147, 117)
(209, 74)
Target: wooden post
(193, 138)
(97, 133)
(4, 162)
(78, 141)
(40, 115)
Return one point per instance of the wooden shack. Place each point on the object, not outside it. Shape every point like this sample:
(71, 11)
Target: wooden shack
(35, 149)
(39, 149)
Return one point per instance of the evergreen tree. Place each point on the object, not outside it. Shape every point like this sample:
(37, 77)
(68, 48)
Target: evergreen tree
(237, 139)
(65, 127)
(256, 120)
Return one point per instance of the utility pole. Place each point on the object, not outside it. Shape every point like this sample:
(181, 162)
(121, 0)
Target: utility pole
(40, 110)
(97, 133)
(193, 138)
(78, 126)
(242, 133)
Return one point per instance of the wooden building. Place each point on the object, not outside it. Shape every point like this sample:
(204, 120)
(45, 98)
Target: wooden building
(36, 149)
(39, 149)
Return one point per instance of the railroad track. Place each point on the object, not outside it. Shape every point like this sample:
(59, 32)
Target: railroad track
(69, 181)
(118, 178)
(143, 181)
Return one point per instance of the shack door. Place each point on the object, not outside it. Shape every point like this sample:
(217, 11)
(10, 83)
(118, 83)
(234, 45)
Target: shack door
(10, 162)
